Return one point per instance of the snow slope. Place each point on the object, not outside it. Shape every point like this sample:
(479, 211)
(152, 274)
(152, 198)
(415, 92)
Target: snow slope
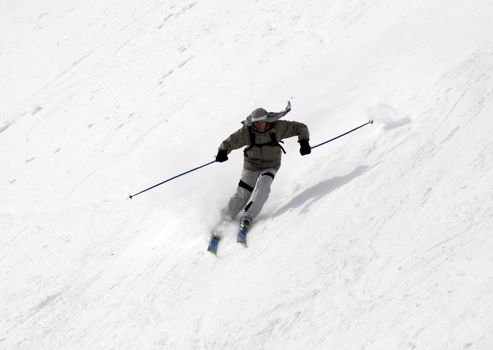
(379, 240)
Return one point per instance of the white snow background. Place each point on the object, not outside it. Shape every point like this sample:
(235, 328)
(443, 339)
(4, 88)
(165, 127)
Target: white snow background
(379, 240)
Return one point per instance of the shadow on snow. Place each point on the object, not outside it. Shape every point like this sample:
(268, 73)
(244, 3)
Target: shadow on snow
(320, 190)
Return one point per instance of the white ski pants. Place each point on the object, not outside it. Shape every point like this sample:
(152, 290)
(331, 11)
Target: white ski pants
(252, 193)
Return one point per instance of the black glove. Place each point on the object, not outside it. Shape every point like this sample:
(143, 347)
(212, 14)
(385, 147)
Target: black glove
(305, 147)
(221, 156)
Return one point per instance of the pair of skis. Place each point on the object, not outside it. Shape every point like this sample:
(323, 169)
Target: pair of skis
(241, 237)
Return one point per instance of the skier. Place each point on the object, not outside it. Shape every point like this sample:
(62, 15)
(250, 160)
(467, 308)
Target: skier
(262, 133)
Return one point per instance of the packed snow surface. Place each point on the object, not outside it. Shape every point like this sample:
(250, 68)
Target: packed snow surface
(381, 239)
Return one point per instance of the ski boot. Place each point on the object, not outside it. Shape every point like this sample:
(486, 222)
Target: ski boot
(214, 242)
(242, 233)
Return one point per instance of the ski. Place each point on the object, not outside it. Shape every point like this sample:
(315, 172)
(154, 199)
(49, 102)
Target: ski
(217, 233)
(213, 244)
(242, 232)
(241, 238)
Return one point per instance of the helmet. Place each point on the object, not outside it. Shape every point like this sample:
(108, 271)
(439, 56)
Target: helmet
(259, 115)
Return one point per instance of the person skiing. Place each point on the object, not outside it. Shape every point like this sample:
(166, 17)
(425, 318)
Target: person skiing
(262, 134)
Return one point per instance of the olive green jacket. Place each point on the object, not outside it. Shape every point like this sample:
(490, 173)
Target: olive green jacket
(264, 154)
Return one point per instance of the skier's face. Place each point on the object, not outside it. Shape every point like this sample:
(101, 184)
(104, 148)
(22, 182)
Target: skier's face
(261, 126)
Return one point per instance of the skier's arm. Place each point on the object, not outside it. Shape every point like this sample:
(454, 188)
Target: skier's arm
(236, 140)
(288, 129)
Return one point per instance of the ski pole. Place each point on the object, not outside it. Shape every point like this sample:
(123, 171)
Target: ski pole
(171, 178)
(341, 135)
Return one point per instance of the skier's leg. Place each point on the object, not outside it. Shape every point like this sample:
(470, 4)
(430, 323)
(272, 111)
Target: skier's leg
(243, 193)
(260, 194)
